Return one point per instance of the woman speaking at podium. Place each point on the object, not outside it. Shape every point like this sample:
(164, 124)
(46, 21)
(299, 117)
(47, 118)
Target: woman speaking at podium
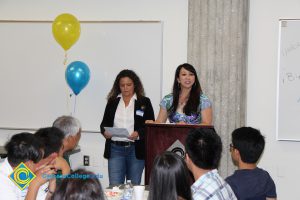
(186, 104)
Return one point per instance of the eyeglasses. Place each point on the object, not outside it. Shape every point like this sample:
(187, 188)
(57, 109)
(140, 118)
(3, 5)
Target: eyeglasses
(231, 147)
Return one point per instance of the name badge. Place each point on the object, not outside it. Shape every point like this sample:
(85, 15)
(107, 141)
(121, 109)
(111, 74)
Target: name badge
(140, 113)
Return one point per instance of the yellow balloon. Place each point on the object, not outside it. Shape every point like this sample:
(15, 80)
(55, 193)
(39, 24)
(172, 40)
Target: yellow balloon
(66, 30)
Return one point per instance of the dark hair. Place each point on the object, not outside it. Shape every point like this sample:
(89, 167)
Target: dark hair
(79, 188)
(52, 138)
(138, 86)
(169, 178)
(249, 142)
(204, 147)
(194, 98)
(23, 147)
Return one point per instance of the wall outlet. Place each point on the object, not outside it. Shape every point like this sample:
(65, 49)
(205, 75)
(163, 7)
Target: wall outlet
(86, 160)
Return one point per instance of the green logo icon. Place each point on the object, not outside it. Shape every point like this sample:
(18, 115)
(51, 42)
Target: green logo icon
(22, 176)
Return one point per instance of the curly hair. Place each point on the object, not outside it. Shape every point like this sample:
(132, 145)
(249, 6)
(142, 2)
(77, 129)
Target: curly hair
(138, 86)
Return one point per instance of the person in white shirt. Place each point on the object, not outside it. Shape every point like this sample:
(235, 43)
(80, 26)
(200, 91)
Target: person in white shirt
(128, 108)
(52, 139)
(26, 148)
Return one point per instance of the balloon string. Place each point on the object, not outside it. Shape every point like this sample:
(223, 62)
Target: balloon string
(69, 99)
(75, 105)
(68, 96)
(66, 58)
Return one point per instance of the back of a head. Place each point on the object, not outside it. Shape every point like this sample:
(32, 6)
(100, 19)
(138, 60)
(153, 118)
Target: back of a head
(23, 147)
(169, 178)
(52, 138)
(249, 142)
(69, 125)
(83, 186)
(204, 148)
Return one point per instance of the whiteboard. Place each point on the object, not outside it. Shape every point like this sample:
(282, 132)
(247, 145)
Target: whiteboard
(288, 87)
(32, 74)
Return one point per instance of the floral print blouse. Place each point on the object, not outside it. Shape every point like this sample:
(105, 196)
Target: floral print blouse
(175, 117)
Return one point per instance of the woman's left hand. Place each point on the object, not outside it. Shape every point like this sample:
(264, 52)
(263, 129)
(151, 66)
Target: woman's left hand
(133, 136)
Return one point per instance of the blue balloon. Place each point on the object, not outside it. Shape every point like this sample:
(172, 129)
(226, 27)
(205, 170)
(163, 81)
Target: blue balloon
(77, 76)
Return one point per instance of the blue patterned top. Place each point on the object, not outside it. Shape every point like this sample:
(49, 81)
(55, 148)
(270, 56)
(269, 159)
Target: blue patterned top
(175, 117)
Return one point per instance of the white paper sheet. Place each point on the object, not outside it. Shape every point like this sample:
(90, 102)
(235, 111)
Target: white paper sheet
(117, 132)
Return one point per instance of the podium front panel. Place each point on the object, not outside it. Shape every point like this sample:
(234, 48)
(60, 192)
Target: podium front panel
(160, 137)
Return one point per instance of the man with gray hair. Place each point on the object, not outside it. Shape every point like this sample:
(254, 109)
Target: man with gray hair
(71, 128)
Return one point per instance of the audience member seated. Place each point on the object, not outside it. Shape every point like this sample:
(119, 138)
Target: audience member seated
(203, 153)
(169, 179)
(80, 188)
(26, 148)
(249, 181)
(52, 139)
(71, 128)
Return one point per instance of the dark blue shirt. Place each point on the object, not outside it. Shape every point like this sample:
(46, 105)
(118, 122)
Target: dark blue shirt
(252, 184)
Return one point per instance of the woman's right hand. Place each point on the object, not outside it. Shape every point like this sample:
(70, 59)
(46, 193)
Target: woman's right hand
(107, 135)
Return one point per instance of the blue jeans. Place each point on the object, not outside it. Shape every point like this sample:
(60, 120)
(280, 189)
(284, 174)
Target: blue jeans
(124, 164)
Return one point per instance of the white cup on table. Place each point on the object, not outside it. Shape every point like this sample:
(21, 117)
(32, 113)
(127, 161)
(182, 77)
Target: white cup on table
(138, 192)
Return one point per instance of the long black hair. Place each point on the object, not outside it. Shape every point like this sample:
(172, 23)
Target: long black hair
(169, 178)
(194, 98)
(138, 86)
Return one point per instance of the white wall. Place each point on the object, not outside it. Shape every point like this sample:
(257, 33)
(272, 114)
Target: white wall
(281, 158)
(173, 14)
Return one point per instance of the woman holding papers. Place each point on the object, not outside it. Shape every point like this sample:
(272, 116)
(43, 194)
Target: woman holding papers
(128, 108)
(187, 104)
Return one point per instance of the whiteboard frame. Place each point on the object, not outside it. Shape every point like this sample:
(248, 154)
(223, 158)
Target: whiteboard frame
(279, 136)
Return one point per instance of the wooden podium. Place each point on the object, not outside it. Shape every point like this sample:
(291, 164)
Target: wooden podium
(159, 137)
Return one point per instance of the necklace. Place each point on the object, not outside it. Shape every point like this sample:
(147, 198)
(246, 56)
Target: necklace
(182, 101)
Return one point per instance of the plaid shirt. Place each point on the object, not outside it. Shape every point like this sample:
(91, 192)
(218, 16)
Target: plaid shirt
(212, 186)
